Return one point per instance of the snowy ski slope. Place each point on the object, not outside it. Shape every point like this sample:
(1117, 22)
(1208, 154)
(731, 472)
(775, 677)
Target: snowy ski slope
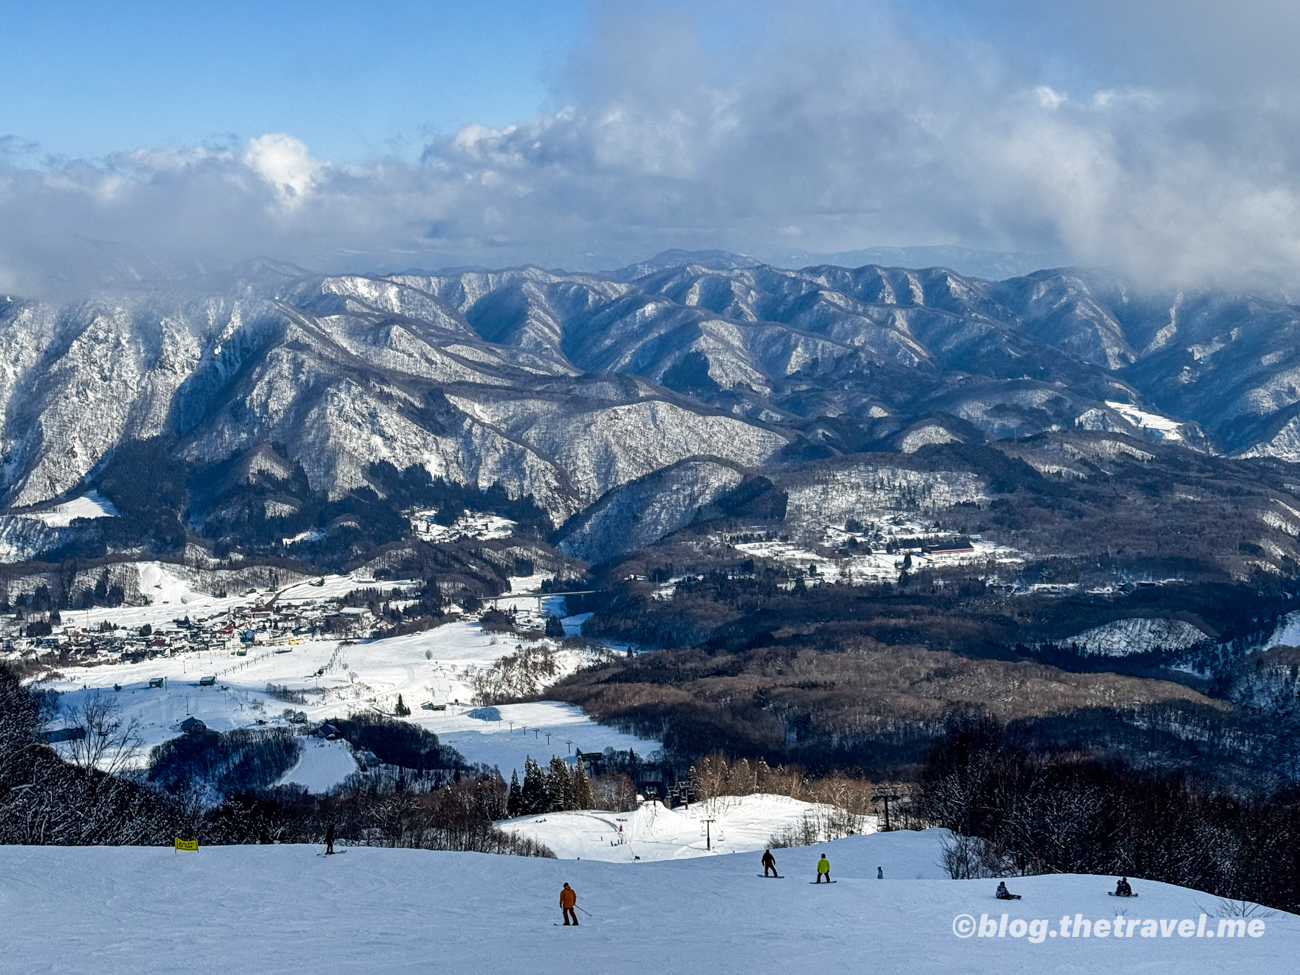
(652, 832)
(283, 910)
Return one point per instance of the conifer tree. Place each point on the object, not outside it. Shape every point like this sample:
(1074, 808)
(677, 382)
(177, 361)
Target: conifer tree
(532, 798)
(583, 797)
(402, 710)
(559, 786)
(514, 799)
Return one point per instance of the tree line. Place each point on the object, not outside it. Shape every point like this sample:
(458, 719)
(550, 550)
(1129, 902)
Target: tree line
(1017, 809)
(95, 796)
(558, 788)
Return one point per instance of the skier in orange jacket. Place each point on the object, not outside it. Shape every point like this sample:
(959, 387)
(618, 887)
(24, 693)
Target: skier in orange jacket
(568, 898)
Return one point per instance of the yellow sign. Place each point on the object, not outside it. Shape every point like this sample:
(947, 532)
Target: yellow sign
(181, 844)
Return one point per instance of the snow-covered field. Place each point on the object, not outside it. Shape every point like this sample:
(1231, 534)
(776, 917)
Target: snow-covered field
(172, 595)
(287, 911)
(468, 525)
(433, 667)
(436, 667)
(322, 765)
(1161, 427)
(652, 832)
(90, 505)
(879, 566)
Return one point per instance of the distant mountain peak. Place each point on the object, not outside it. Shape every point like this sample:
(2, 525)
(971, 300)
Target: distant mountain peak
(713, 260)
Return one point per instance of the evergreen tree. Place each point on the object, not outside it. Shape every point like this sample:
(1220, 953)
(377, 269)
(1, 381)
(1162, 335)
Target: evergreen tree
(514, 798)
(532, 798)
(559, 786)
(402, 710)
(583, 796)
(554, 628)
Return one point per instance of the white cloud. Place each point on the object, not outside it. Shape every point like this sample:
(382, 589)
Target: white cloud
(1049, 98)
(285, 163)
(843, 135)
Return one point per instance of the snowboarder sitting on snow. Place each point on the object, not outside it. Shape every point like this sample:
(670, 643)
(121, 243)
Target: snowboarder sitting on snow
(769, 863)
(568, 899)
(1122, 889)
(1003, 894)
(823, 870)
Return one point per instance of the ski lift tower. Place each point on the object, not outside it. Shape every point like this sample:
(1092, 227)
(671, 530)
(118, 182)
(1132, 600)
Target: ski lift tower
(708, 833)
(886, 797)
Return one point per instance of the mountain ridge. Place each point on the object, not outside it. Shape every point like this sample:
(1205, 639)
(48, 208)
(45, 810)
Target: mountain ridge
(562, 387)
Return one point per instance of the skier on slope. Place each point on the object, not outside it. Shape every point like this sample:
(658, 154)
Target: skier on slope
(823, 870)
(329, 839)
(769, 863)
(568, 900)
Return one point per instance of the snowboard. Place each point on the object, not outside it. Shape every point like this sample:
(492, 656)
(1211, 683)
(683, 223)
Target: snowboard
(814, 883)
(336, 853)
(779, 876)
(1010, 897)
(1125, 896)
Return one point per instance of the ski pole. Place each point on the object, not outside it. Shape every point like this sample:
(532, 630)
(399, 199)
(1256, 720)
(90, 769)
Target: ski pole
(586, 912)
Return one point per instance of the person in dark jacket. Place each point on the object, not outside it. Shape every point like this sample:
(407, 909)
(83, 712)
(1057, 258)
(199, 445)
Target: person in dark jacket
(769, 863)
(1122, 889)
(1005, 895)
(329, 839)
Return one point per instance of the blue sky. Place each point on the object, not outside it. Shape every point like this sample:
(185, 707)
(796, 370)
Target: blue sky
(1158, 137)
(352, 80)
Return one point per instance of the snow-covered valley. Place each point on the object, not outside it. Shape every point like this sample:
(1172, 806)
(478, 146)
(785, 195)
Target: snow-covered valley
(435, 667)
(299, 682)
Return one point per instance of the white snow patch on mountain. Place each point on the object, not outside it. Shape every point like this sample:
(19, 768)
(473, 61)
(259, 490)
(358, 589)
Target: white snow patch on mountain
(25, 534)
(924, 436)
(1285, 444)
(1287, 633)
(468, 525)
(310, 535)
(90, 505)
(1137, 635)
(1160, 427)
(283, 909)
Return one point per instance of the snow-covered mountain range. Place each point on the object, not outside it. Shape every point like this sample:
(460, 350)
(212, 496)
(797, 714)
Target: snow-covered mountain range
(562, 387)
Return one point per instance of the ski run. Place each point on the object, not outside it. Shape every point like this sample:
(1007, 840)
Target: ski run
(288, 911)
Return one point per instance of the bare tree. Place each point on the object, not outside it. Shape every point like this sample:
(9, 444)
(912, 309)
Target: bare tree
(109, 743)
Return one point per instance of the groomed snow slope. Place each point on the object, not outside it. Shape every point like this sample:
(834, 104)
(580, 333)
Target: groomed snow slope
(652, 832)
(287, 911)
